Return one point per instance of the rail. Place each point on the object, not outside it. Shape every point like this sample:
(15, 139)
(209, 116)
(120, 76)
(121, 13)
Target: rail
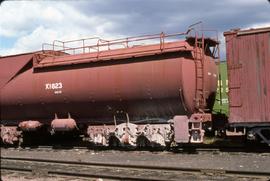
(97, 45)
(201, 32)
(121, 171)
(86, 45)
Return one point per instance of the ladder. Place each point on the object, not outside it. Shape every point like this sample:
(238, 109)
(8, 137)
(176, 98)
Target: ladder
(199, 58)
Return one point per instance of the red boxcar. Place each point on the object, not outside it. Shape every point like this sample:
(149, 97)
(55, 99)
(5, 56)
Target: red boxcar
(248, 60)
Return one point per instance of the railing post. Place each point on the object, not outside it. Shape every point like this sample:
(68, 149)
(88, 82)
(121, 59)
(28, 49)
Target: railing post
(127, 42)
(161, 41)
(83, 46)
(98, 48)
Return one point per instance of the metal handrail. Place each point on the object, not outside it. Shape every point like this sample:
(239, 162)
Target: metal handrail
(125, 42)
(100, 45)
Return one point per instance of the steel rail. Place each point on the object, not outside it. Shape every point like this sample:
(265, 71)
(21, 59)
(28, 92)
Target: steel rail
(157, 168)
(188, 149)
(64, 172)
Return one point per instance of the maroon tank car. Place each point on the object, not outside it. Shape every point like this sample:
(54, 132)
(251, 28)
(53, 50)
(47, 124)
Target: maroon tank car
(135, 84)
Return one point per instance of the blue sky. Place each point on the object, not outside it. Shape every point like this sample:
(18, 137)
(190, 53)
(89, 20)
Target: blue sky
(25, 25)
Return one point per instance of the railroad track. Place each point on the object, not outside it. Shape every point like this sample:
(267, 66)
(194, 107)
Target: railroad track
(114, 171)
(187, 149)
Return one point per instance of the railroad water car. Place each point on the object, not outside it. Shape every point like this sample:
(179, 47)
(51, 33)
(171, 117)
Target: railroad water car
(120, 91)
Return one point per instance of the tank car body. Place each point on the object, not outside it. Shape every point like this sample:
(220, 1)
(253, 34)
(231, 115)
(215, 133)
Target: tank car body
(136, 84)
(248, 60)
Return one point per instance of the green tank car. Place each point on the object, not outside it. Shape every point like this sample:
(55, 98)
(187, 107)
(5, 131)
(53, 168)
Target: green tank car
(222, 103)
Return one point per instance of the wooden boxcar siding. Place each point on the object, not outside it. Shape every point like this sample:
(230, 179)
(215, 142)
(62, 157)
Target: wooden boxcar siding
(249, 75)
